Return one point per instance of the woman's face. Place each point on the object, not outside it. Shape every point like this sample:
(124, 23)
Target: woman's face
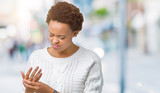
(60, 35)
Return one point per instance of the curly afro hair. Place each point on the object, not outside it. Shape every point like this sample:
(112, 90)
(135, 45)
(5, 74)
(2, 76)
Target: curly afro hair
(66, 13)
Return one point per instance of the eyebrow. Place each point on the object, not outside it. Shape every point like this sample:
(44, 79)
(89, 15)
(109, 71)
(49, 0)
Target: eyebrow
(57, 35)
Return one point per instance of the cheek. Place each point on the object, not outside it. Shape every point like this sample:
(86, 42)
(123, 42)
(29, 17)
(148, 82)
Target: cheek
(50, 39)
(66, 41)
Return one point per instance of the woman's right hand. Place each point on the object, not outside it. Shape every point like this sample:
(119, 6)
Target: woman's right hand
(33, 77)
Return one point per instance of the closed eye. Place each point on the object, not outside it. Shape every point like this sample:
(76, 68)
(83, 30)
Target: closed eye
(62, 38)
(50, 35)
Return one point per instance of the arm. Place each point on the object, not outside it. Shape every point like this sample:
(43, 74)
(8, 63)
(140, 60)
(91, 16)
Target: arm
(32, 84)
(38, 87)
(31, 80)
(94, 80)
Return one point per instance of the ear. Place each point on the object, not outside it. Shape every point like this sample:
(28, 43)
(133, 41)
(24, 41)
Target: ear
(75, 33)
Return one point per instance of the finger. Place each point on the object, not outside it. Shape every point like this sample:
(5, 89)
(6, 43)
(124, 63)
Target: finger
(26, 85)
(33, 73)
(22, 74)
(31, 83)
(28, 73)
(37, 75)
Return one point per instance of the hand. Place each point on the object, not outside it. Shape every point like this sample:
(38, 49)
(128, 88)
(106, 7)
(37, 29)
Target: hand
(37, 87)
(33, 77)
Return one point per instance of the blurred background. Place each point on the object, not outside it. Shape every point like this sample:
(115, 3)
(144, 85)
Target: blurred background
(110, 26)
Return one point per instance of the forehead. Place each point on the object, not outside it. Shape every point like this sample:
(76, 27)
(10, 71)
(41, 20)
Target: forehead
(56, 27)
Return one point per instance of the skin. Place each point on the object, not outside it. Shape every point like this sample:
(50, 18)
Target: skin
(60, 37)
(60, 34)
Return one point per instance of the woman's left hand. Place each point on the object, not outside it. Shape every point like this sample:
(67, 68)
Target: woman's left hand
(38, 87)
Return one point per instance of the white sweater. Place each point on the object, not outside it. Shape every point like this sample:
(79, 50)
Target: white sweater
(79, 73)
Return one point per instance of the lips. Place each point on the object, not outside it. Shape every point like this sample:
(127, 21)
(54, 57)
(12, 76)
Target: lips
(55, 46)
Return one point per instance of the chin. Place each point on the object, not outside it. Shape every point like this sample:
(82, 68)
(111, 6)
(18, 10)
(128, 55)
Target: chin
(58, 49)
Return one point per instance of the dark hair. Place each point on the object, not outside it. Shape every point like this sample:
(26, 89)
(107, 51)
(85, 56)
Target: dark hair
(66, 13)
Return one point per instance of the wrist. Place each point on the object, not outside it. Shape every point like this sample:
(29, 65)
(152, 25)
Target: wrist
(28, 91)
(51, 91)
(54, 91)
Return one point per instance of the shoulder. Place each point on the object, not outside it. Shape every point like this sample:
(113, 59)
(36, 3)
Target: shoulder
(89, 54)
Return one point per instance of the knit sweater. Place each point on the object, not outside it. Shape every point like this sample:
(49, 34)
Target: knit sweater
(78, 73)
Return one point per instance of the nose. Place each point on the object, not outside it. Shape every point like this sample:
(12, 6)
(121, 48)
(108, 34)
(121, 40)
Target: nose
(55, 41)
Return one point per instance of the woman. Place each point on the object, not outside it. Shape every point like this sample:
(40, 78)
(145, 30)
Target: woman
(66, 67)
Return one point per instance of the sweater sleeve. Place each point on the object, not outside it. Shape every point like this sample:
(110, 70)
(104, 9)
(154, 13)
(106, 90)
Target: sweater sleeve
(94, 80)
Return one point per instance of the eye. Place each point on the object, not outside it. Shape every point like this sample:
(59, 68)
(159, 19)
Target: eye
(50, 34)
(62, 38)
